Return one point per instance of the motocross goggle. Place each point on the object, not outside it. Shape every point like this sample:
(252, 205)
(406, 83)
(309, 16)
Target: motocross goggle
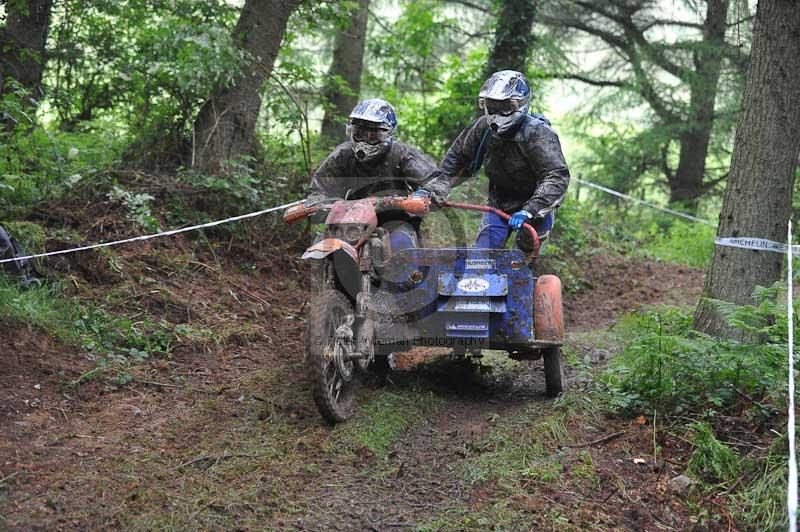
(499, 107)
(369, 135)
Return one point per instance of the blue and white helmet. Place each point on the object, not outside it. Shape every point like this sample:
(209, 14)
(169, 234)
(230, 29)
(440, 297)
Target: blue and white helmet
(371, 128)
(505, 98)
(376, 111)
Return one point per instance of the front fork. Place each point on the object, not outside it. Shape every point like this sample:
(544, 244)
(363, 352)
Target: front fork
(363, 325)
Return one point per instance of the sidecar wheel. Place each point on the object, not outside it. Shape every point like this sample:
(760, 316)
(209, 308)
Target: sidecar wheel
(553, 371)
(334, 392)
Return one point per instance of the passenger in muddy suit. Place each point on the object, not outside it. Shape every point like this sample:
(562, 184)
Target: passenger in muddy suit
(373, 163)
(528, 175)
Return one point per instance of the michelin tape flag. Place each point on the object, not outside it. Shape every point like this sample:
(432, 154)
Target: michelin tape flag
(761, 244)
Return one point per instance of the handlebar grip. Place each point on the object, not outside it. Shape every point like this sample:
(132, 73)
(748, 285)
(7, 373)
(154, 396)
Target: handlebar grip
(299, 212)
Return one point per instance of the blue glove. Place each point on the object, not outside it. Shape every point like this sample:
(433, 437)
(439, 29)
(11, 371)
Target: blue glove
(519, 218)
(421, 193)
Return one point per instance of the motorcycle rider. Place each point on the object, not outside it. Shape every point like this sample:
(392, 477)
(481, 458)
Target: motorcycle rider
(372, 162)
(528, 175)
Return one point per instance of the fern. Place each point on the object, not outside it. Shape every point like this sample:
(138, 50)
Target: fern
(667, 366)
(711, 459)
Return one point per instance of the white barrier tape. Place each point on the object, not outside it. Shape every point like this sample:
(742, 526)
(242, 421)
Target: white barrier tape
(791, 497)
(643, 202)
(155, 235)
(760, 244)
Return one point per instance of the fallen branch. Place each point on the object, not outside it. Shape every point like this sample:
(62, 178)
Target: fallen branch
(167, 385)
(9, 477)
(604, 439)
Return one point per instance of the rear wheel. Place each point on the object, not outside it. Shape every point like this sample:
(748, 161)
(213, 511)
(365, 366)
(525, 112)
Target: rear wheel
(329, 339)
(553, 371)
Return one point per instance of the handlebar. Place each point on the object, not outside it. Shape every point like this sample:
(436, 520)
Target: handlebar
(537, 244)
(419, 206)
(415, 205)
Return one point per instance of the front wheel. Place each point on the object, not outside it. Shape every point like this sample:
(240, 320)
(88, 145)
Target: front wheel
(329, 341)
(553, 371)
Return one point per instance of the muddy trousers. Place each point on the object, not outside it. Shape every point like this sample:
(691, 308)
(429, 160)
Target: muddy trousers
(402, 235)
(494, 231)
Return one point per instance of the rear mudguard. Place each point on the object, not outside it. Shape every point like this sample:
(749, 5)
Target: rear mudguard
(548, 313)
(344, 259)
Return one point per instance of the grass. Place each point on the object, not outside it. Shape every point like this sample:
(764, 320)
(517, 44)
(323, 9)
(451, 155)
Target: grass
(382, 418)
(634, 231)
(243, 459)
(519, 450)
(761, 503)
(501, 515)
(680, 243)
(113, 340)
(526, 455)
(39, 307)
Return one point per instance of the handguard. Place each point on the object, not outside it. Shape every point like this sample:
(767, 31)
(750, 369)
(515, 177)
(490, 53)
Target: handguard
(417, 205)
(300, 212)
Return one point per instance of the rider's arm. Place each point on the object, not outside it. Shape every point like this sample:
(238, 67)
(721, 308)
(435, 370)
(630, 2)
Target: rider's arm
(460, 157)
(550, 168)
(458, 162)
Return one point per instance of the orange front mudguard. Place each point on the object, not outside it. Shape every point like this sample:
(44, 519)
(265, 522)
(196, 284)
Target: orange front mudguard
(323, 248)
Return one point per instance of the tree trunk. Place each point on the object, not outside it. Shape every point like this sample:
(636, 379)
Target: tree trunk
(346, 67)
(22, 46)
(686, 185)
(758, 197)
(513, 38)
(226, 124)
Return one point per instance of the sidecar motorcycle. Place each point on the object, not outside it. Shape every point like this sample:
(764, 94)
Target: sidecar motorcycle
(375, 301)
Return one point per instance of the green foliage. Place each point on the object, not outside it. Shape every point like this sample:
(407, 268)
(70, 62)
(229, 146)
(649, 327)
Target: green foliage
(569, 243)
(415, 35)
(139, 208)
(685, 376)
(15, 104)
(711, 459)
(38, 163)
(638, 231)
(149, 64)
(31, 236)
(679, 242)
(668, 367)
(619, 155)
(113, 338)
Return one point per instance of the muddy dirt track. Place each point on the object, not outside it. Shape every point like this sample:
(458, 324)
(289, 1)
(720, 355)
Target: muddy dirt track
(222, 434)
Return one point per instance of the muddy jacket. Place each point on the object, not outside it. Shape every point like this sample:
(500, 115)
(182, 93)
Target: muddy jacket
(342, 172)
(526, 170)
